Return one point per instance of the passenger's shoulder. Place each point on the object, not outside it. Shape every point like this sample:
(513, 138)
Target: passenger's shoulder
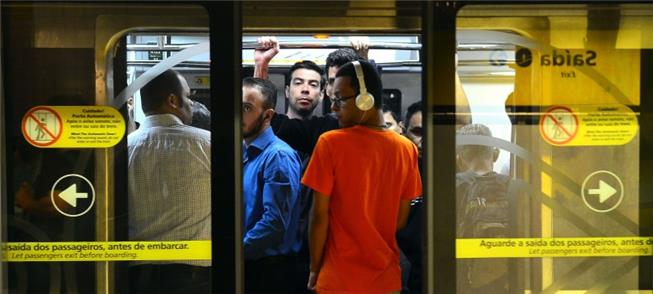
(404, 144)
(198, 133)
(403, 140)
(133, 136)
(281, 152)
(335, 134)
(137, 136)
(282, 147)
(326, 122)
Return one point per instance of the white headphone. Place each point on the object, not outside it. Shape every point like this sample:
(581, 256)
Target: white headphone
(364, 100)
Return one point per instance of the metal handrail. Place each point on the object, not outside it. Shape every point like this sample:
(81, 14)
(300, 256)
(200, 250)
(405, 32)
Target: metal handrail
(204, 64)
(328, 45)
(335, 45)
(285, 45)
(165, 47)
(154, 62)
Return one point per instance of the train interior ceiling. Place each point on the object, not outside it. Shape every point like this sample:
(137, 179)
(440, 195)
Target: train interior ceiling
(397, 56)
(486, 70)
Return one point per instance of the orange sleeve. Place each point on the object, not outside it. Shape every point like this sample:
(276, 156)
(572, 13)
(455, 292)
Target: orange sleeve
(319, 174)
(413, 185)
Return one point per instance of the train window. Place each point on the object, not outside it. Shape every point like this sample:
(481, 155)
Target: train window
(89, 210)
(387, 49)
(143, 53)
(553, 188)
(300, 74)
(397, 57)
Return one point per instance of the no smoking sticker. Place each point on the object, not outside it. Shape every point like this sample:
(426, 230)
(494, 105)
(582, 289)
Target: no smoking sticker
(605, 125)
(73, 126)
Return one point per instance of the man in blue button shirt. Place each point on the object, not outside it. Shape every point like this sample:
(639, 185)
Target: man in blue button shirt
(271, 172)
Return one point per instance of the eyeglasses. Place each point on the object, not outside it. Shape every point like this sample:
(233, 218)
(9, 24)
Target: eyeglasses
(339, 101)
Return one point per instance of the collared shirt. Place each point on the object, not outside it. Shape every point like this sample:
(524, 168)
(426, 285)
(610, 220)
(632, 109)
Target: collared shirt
(169, 182)
(271, 171)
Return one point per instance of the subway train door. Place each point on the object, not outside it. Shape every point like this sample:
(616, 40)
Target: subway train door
(68, 73)
(553, 181)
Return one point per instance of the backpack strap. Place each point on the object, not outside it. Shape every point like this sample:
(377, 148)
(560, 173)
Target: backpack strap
(467, 177)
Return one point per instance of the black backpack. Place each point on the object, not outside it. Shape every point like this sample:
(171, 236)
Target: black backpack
(484, 205)
(484, 210)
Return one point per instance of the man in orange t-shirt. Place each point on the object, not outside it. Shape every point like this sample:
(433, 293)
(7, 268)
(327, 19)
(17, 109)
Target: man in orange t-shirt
(364, 177)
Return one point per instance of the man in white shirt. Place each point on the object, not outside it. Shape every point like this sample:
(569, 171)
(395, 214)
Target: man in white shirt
(169, 186)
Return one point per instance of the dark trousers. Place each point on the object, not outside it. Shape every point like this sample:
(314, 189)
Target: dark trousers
(274, 274)
(169, 278)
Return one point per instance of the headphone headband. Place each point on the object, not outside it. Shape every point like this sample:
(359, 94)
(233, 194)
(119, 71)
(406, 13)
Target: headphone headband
(364, 100)
(361, 77)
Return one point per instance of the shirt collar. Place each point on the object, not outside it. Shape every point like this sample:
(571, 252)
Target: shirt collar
(161, 120)
(263, 140)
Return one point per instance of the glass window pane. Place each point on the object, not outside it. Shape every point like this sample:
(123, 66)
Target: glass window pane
(551, 191)
(89, 210)
(389, 49)
(268, 247)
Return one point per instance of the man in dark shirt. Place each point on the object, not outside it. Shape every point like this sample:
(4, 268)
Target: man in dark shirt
(301, 134)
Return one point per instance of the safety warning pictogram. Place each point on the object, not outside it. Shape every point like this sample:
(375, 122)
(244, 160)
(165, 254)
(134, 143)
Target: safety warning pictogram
(42, 126)
(558, 125)
(88, 126)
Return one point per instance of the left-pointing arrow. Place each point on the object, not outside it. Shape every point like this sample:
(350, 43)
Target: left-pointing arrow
(70, 195)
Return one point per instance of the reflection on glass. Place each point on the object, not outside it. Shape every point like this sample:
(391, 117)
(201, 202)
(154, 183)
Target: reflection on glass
(79, 239)
(483, 211)
(560, 100)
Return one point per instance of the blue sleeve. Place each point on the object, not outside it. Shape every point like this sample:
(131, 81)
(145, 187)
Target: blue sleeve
(280, 195)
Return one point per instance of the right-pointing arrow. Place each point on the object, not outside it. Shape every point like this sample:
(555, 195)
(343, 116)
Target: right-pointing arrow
(605, 191)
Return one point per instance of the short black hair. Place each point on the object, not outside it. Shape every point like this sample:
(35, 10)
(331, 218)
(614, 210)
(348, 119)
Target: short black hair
(412, 109)
(306, 64)
(267, 89)
(394, 115)
(468, 152)
(372, 80)
(154, 94)
(340, 57)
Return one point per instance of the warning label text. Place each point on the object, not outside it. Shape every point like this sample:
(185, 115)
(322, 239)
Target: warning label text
(553, 247)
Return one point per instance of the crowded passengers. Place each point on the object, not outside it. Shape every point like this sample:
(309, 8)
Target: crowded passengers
(315, 218)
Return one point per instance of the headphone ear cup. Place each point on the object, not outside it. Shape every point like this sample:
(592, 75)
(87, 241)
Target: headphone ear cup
(365, 101)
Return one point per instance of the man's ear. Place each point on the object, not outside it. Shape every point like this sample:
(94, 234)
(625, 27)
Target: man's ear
(287, 91)
(173, 101)
(459, 163)
(267, 115)
(495, 154)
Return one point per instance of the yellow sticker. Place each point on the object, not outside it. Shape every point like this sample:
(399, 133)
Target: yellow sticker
(598, 75)
(553, 247)
(202, 81)
(105, 251)
(605, 125)
(73, 126)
